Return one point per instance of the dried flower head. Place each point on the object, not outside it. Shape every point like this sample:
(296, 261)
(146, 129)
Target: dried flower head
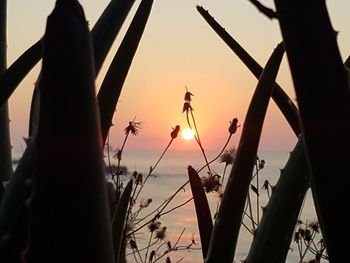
(133, 128)
(154, 226)
(133, 244)
(228, 156)
(261, 164)
(175, 132)
(296, 237)
(188, 96)
(161, 233)
(145, 203)
(315, 226)
(233, 126)
(265, 185)
(307, 235)
(211, 182)
(187, 107)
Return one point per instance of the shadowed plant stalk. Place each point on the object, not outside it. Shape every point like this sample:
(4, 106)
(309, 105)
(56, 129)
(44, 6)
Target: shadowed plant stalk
(69, 211)
(229, 218)
(205, 223)
(322, 91)
(112, 84)
(119, 221)
(103, 34)
(272, 239)
(189, 112)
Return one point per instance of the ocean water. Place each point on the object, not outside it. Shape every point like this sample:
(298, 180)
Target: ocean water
(171, 173)
(168, 177)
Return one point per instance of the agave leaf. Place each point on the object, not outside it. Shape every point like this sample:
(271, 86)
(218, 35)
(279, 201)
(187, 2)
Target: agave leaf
(228, 221)
(69, 212)
(272, 239)
(112, 84)
(322, 90)
(103, 34)
(119, 220)
(205, 223)
(13, 76)
(34, 113)
(107, 27)
(284, 103)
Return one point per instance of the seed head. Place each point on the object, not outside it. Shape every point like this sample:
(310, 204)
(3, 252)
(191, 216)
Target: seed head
(133, 128)
(154, 226)
(261, 164)
(211, 182)
(228, 156)
(175, 132)
(187, 107)
(161, 233)
(233, 126)
(188, 96)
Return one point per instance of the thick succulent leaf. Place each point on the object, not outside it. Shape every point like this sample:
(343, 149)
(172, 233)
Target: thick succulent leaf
(13, 76)
(322, 90)
(274, 234)
(119, 220)
(107, 28)
(205, 223)
(112, 84)
(103, 35)
(70, 218)
(228, 221)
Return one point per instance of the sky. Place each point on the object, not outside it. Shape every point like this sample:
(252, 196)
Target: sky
(177, 49)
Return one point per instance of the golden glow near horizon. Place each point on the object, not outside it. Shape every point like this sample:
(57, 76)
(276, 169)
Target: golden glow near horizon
(177, 49)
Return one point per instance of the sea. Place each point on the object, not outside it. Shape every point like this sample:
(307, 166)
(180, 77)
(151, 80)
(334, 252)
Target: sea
(169, 176)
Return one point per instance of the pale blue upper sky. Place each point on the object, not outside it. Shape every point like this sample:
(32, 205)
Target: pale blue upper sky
(178, 48)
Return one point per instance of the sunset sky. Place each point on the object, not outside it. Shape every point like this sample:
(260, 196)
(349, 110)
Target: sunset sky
(178, 48)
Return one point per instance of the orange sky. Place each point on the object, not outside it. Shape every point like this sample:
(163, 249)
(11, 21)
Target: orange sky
(178, 48)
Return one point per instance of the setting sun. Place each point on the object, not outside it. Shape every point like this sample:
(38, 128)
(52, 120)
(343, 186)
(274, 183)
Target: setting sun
(187, 134)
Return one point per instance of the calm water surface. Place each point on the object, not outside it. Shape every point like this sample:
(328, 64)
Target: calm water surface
(171, 173)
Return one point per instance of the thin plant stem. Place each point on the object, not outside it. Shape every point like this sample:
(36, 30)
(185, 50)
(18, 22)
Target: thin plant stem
(144, 248)
(218, 156)
(148, 246)
(156, 164)
(250, 210)
(119, 159)
(176, 207)
(160, 209)
(197, 137)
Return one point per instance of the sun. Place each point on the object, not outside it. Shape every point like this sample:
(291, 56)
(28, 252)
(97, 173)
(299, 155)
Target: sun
(187, 134)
